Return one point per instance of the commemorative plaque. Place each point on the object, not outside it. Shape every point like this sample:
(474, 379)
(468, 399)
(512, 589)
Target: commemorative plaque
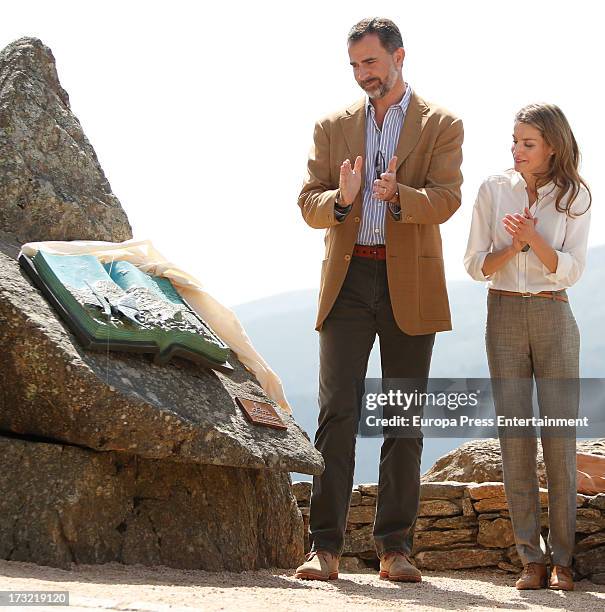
(261, 413)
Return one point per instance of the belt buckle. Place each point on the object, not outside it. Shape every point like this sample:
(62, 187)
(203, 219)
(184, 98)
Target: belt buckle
(527, 294)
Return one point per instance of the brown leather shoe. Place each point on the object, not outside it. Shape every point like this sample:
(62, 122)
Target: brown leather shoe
(396, 566)
(532, 577)
(561, 578)
(319, 565)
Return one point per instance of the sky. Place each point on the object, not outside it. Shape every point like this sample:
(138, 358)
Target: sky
(202, 116)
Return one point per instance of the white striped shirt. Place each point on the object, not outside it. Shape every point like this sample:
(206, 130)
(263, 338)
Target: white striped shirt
(371, 229)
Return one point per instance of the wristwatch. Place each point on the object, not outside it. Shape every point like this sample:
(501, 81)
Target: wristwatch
(338, 203)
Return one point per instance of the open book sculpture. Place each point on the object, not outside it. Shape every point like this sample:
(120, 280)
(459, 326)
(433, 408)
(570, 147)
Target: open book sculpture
(116, 306)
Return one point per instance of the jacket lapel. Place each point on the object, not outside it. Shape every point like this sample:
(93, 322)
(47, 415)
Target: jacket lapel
(415, 118)
(353, 125)
(354, 129)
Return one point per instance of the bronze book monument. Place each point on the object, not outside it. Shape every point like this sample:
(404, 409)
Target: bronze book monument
(118, 307)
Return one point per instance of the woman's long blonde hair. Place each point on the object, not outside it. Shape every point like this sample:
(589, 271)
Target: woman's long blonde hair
(564, 164)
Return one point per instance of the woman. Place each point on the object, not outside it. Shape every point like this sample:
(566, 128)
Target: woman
(528, 239)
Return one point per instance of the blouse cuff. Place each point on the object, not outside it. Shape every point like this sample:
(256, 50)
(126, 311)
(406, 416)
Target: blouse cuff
(564, 265)
(476, 267)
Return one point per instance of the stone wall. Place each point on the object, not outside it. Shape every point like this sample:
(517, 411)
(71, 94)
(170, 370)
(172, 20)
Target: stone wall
(461, 526)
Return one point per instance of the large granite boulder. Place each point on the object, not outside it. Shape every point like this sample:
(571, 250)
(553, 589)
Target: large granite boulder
(62, 504)
(51, 184)
(480, 461)
(54, 389)
(108, 456)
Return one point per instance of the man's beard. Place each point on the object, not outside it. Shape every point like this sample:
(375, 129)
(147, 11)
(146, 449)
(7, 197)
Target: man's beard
(382, 88)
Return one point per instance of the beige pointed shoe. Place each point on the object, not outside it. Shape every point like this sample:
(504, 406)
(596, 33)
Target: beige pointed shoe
(319, 565)
(396, 566)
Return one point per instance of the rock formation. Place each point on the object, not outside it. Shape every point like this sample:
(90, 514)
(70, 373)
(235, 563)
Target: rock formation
(54, 389)
(109, 457)
(480, 461)
(62, 504)
(51, 184)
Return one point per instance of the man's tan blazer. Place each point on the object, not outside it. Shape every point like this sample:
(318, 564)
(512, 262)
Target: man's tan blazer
(428, 173)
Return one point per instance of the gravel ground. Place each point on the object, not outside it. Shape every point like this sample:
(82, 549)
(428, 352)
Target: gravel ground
(134, 588)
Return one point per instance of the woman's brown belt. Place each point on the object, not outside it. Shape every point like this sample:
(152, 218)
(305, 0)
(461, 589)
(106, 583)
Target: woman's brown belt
(551, 295)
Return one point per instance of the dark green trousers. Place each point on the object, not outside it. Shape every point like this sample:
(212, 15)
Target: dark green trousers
(361, 312)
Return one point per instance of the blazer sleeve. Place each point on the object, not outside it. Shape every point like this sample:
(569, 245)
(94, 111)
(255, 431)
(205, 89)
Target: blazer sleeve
(317, 196)
(439, 199)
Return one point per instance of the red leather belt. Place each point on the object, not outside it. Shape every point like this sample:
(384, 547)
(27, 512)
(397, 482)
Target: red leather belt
(377, 251)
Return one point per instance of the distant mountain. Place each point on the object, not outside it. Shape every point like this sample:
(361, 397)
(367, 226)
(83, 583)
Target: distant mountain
(282, 330)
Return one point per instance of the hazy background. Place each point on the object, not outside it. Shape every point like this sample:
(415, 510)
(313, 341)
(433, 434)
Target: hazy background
(202, 115)
(202, 118)
(279, 327)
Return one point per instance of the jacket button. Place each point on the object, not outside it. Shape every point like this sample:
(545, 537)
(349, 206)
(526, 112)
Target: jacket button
(408, 217)
(347, 257)
(357, 219)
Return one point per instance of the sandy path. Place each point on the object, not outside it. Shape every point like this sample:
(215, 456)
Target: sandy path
(120, 587)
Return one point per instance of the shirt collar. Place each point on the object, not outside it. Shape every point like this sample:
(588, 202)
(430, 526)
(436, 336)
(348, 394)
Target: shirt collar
(518, 182)
(403, 103)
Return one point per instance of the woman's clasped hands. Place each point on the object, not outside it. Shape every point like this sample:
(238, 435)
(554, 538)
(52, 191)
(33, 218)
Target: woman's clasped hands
(522, 228)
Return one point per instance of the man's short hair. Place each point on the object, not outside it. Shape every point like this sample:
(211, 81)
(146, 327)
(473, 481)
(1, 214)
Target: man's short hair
(388, 33)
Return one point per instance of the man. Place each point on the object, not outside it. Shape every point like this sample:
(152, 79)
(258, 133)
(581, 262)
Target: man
(382, 275)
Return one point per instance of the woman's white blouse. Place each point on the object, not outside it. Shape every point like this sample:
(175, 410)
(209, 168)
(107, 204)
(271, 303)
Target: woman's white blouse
(505, 193)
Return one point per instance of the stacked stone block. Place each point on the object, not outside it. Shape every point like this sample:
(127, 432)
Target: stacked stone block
(463, 526)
